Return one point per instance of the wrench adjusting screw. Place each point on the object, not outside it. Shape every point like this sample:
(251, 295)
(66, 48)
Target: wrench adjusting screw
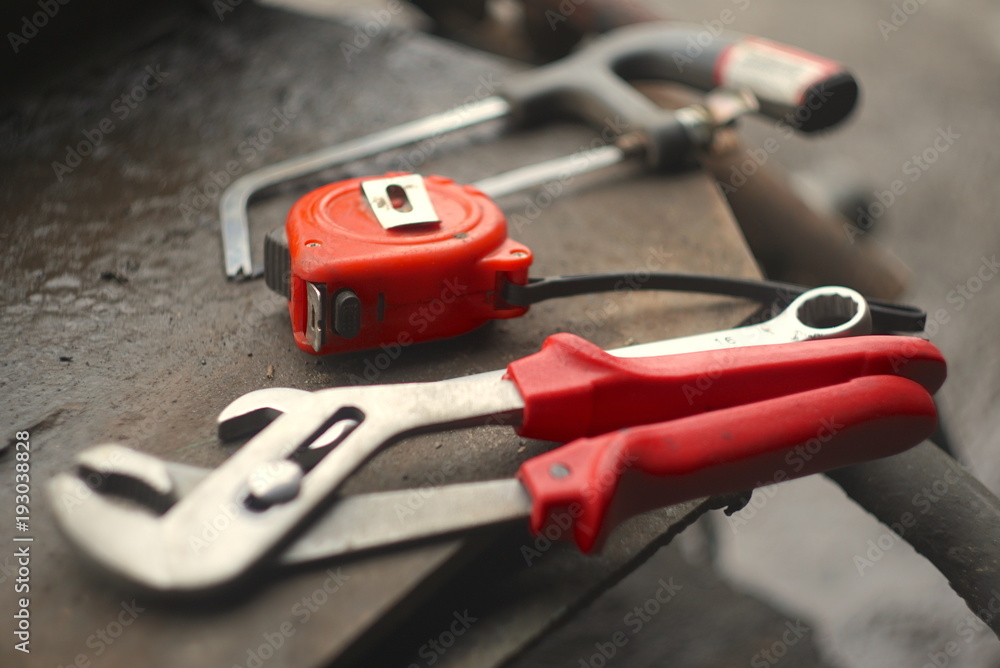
(275, 482)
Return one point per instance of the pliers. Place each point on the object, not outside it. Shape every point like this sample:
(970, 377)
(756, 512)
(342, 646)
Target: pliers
(642, 431)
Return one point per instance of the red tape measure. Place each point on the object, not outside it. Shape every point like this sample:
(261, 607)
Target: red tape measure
(394, 259)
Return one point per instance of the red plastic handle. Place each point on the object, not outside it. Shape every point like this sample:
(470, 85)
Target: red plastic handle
(572, 388)
(598, 482)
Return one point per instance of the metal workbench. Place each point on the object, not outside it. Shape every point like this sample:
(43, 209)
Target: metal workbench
(118, 325)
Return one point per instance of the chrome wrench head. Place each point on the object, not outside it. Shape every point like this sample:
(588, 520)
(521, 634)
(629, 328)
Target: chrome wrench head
(89, 517)
(217, 530)
(247, 508)
(821, 313)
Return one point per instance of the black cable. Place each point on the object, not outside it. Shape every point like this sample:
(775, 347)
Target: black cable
(886, 316)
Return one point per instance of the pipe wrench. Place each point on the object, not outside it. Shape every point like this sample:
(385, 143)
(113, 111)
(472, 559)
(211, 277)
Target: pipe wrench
(284, 478)
(806, 92)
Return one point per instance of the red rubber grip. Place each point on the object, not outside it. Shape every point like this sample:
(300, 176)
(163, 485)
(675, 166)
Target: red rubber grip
(598, 482)
(572, 388)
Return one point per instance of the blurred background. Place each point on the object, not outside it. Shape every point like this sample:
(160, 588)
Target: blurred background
(803, 552)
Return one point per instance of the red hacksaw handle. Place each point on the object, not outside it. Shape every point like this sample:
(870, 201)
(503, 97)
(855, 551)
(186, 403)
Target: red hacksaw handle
(572, 388)
(598, 482)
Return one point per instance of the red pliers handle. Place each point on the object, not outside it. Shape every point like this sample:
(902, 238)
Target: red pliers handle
(774, 413)
(572, 388)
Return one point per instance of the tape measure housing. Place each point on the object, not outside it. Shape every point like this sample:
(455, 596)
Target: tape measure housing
(355, 284)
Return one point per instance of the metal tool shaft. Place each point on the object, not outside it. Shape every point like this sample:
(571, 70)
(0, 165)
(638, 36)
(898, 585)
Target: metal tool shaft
(556, 169)
(368, 521)
(699, 122)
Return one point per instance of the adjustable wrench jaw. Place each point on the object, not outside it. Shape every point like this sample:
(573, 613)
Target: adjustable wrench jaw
(248, 508)
(125, 540)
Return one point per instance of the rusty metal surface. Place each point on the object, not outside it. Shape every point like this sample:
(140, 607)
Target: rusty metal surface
(118, 324)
